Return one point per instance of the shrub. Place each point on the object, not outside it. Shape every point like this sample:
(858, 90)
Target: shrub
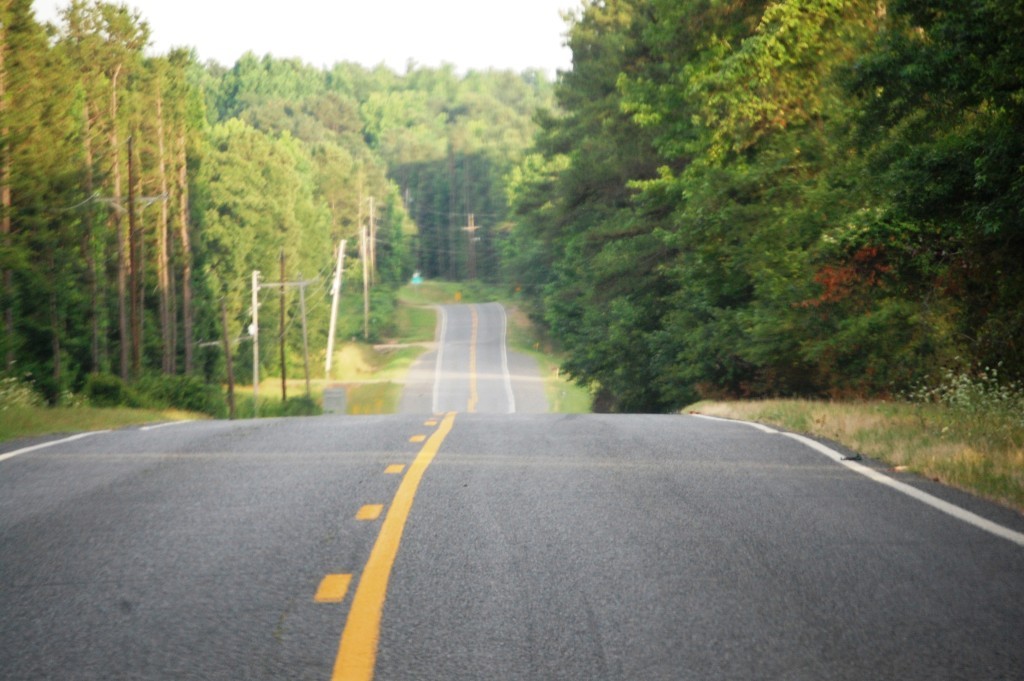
(155, 391)
(301, 406)
(979, 404)
(107, 390)
(18, 393)
(189, 393)
(982, 392)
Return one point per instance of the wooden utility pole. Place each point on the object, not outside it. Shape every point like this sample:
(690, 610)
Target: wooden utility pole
(471, 230)
(255, 331)
(228, 358)
(363, 254)
(305, 336)
(284, 369)
(336, 296)
(373, 244)
(284, 286)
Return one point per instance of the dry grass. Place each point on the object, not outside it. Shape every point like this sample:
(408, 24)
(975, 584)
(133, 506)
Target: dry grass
(929, 439)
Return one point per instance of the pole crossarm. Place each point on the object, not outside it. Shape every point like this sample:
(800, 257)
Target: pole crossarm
(119, 206)
(288, 284)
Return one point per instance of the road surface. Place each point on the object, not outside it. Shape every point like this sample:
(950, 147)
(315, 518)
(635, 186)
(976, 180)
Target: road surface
(472, 370)
(491, 545)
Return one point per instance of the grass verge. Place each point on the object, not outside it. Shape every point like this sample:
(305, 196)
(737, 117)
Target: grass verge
(16, 422)
(932, 440)
(373, 398)
(450, 292)
(564, 395)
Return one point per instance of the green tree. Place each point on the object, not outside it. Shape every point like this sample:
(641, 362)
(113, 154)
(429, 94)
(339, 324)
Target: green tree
(38, 237)
(940, 138)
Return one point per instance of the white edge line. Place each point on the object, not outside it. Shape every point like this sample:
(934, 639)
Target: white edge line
(762, 428)
(953, 510)
(440, 357)
(504, 360)
(164, 425)
(26, 450)
(961, 514)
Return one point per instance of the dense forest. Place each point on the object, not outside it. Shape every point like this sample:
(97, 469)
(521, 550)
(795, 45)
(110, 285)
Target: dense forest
(798, 197)
(802, 197)
(139, 194)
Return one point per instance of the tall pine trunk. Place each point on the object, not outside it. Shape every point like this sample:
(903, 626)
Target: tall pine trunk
(136, 258)
(120, 232)
(88, 247)
(6, 279)
(163, 252)
(186, 248)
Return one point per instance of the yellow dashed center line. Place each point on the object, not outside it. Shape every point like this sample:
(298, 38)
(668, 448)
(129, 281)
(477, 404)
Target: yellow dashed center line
(370, 512)
(357, 652)
(417, 438)
(395, 469)
(332, 589)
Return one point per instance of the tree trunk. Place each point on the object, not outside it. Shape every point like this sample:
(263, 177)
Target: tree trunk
(87, 244)
(6, 280)
(134, 263)
(56, 332)
(163, 254)
(186, 248)
(120, 232)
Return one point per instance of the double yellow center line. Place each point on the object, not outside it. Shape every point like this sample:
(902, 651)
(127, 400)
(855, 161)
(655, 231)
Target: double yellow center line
(357, 653)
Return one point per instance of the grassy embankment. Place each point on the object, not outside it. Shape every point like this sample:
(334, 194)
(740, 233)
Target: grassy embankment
(18, 422)
(975, 445)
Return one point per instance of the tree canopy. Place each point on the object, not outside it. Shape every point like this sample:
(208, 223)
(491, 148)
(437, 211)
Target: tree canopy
(779, 197)
(139, 192)
(813, 197)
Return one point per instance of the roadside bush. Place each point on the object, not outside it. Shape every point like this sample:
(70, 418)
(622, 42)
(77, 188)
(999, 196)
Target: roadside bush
(107, 390)
(301, 406)
(979, 404)
(189, 393)
(15, 392)
(155, 391)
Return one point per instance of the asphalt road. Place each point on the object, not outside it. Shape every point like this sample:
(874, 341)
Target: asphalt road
(472, 370)
(490, 545)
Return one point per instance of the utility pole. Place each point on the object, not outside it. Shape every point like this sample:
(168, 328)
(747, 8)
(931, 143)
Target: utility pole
(284, 286)
(335, 294)
(305, 336)
(363, 252)
(255, 331)
(228, 358)
(373, 242)
(284, 370)
(471, 230)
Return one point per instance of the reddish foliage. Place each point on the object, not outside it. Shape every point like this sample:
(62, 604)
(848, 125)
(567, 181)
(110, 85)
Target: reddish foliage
(865, 270)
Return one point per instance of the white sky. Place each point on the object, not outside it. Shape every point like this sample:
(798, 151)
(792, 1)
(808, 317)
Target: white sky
(470, 34)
